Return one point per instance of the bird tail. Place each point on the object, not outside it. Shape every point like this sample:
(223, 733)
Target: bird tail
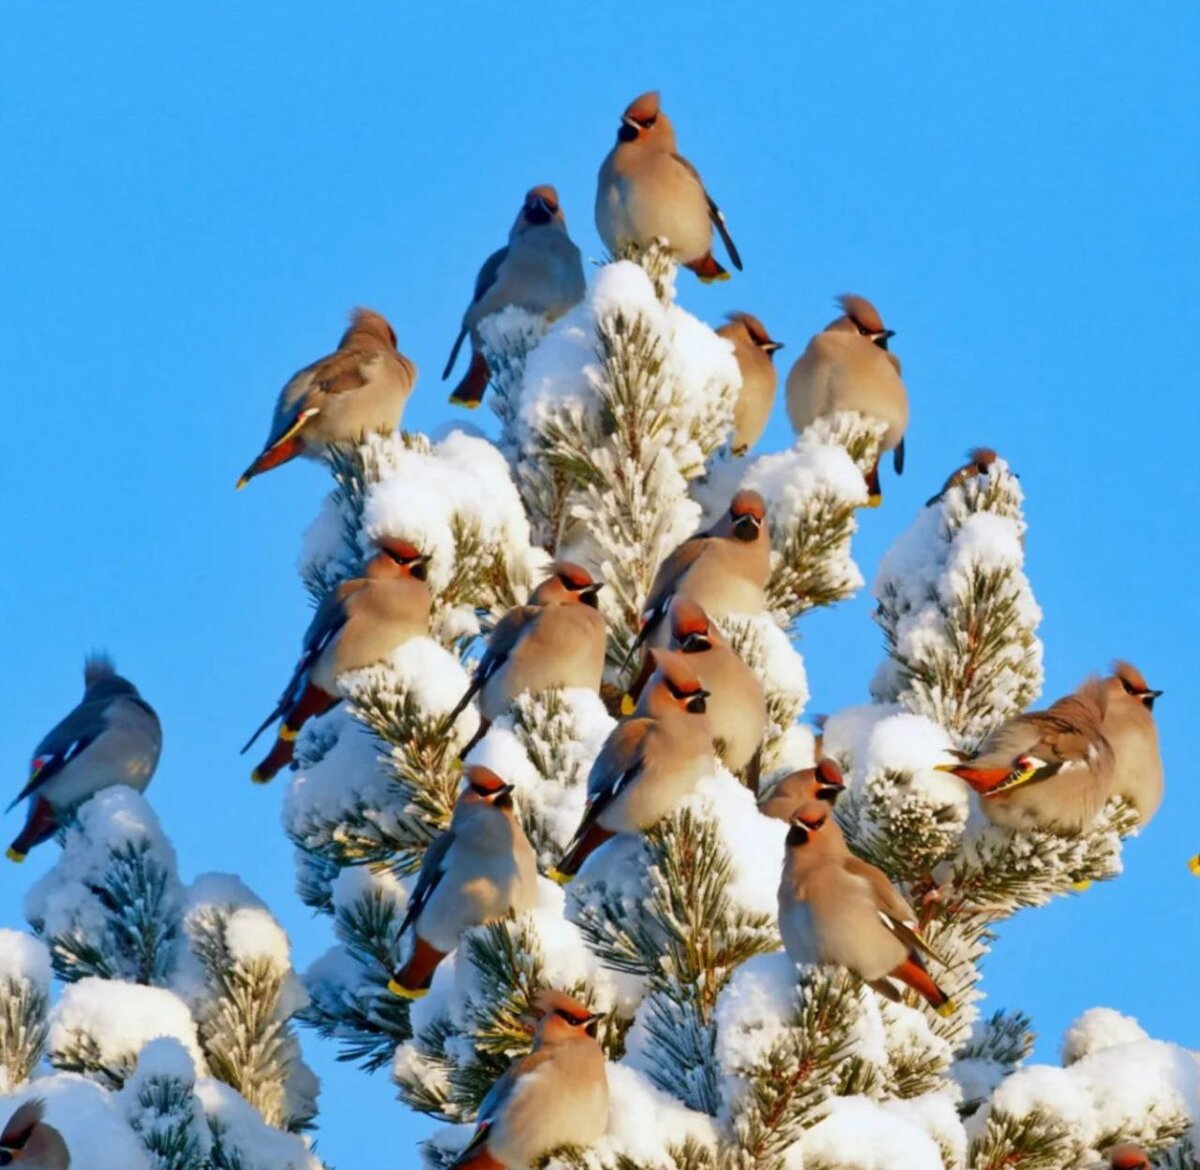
(874, 490)
(586, 842)
(462, 334)
(470, 391)
(40, 825)
(281, 450)
(413, 979)
(484, 727)
(312, 702)
(474, 1155)
(913, 974)
(707, 269)
(637, 686)
(459, 707)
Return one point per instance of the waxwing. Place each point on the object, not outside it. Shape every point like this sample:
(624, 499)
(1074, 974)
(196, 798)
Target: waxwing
(848, 367)
(539, 270)
(112, 737)
(979, 462)
(648, 191)
(481, 869)
(823, 782)
(362, 387)
(754, 352)
(28, 1143)
(1128, 1156)
(1129, 728)
(556, 1096)
(648, 764)
(358, 624)
(835, 908)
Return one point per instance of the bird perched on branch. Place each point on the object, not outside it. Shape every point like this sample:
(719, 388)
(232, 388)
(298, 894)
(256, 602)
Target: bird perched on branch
(481, 869)
(754, 352)
(556, 1096)
(822, 782)
(358, 624)
(362, 387)
(648, 191)
(649, 762)
(835, 908)
(111, 737)
(979, 462)
(1130, 730)
(556, 640)
(28, 1143)
(539, 270)
(847, 367)
(1049, 769)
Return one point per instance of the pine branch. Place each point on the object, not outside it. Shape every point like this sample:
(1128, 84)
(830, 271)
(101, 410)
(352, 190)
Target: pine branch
(23, 1030)
(167, 1120)
(1037, 1140)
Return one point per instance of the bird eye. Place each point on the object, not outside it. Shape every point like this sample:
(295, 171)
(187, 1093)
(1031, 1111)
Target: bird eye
(1128, 689)
(648, 123)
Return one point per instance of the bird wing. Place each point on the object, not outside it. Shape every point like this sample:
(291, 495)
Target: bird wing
(300, 398)
(665, 581)
(894, 911)
(64, 742)
(621, 752)
(505, 635)
(714, 213)
(16, 1129)
(484, 280)
(433, 868)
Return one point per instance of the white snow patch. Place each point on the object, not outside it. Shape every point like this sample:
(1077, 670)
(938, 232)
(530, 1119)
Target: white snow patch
(24, 959)
(1099, 1028)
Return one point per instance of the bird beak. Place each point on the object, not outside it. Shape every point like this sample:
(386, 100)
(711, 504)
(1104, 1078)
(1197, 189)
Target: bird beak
(881, 339)
(772, 346)
(589, 595)
(829, 793)
(1149, 697)
(538, 211)
(591, 1023)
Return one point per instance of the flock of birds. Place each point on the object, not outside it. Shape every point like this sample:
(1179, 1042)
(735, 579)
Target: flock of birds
(692, 701)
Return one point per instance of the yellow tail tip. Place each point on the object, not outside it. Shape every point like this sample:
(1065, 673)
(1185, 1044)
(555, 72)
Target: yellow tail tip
(947, 1009)
(15, 855)
(714, 279)
(288, 734)
(469, 403)
(1080, 886)
(406, 992)
(556, 875)
(241, 483)
(1194, 865)
(873, 501)
(258, 778)
(627, 705)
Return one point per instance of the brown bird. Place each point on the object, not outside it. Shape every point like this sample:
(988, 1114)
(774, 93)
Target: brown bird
(29, 1143)
(1127, 1156)
(1049, 769)
(835, 908)
(754, 352)
(647, 191)
(359, 623)
(556, 1096)
(539, 270)
(824, 782)
(648, 764)
(847, 367)
(1130, 730)
(362, 387)
(979, 462)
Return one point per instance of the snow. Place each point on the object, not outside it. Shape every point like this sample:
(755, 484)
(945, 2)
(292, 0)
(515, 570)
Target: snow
(119, 1019)
(847, 733)
(644, 1122)
(1052, 1090)
(937, 1115)
(861, 1134)
(242, 1129)
(167, 1058)
(912, 744)
(1099, 1028)
(24, 959)
(752, 1013)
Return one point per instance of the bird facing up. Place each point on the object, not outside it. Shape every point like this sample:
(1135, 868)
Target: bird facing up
(822, 782)
(979, 462)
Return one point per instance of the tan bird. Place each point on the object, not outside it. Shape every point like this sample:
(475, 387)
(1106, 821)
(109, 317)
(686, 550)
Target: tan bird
(1128, 1156)
(358, 624)
(848, 367)
(28, 1143)
(360, 388)
(979, 462)
(835, 908)
(648, 764)
(647, 191)
(754, 352)
(539, 270)
(1129, 728)
(824, 782)
(723, 569)
(481, 869)
(557, 640)
(1049, 769)
(556, 1096)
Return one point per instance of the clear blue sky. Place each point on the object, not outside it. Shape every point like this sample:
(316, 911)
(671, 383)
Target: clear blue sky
(194, 195)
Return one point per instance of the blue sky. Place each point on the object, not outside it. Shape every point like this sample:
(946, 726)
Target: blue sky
(195, 195)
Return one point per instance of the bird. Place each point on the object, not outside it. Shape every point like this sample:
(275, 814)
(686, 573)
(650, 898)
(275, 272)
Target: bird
(1129, 728)
(1049, 769)
(847, 367)
(556, 640)
(479, 870)
(539, 270)
(111, 737)
(362, 387)
(357, 624)
(1127, 1156)
(28, 1142)
(724, 569)
(979, 462)
(555, 1096)
(835, 908)
(647, 191)
(649, 762)
(822, 782)
(754, 352)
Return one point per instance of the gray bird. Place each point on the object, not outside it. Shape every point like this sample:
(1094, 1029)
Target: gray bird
(29, 1143)
(112, 737)
(754, 352)
(539, 270)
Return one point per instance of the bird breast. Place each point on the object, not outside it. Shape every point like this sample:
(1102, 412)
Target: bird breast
(646, 195)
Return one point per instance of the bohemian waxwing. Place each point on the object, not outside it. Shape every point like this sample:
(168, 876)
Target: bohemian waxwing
(824, 782)
(361, 387)
(648, 764)
(848, 367)
(28, 1143)
(979, 462)
(1049, 769)
(1129, 728)
(1127, 1156)
(556, 1096)
(359, 623)
(754, 352)
(723, 569)
(648, 191)
(112, 737)
(540, 270)
(479, 870)
(556, 640)
(835, 908)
